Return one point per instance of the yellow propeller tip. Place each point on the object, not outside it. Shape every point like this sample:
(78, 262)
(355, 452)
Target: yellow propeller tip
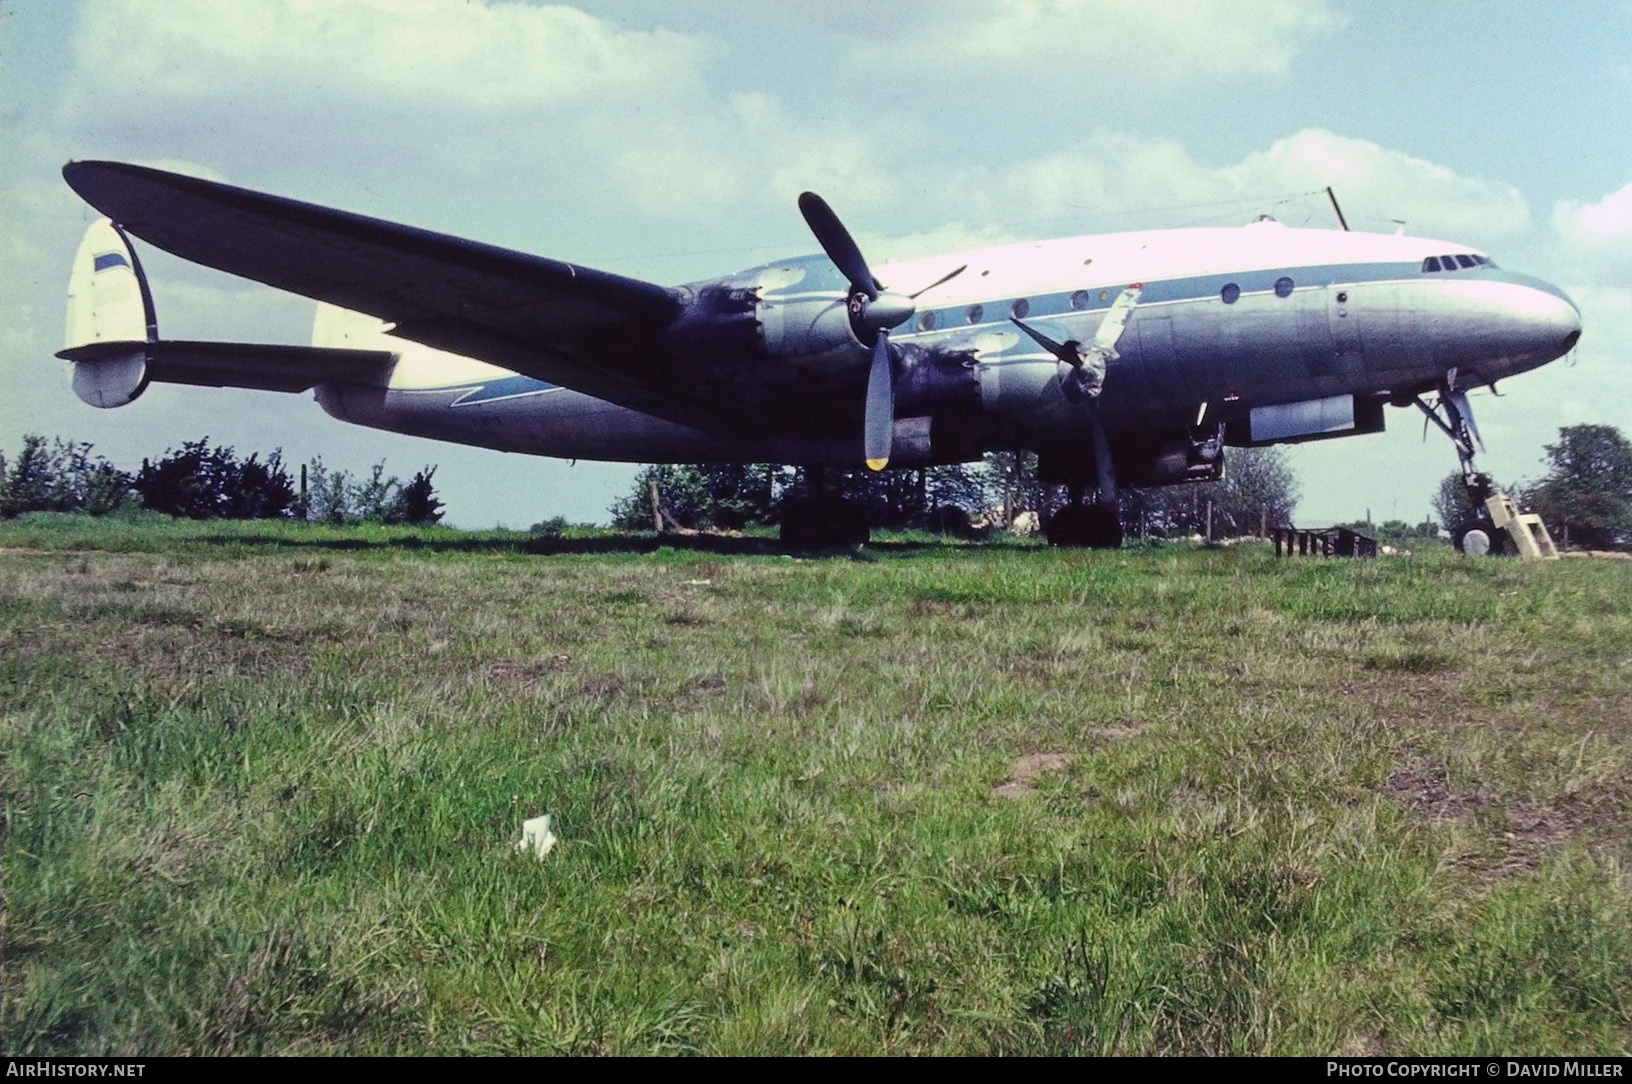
(877, 464)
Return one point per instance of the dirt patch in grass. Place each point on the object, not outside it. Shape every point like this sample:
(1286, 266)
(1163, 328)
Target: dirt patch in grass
(1428, 793)
(1532, 830)
(1023, 773)
(527, 675)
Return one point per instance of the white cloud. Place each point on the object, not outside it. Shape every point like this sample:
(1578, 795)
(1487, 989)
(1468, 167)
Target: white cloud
(436, 54)
(1123, 45)
(1112, 175)
(1600, 231)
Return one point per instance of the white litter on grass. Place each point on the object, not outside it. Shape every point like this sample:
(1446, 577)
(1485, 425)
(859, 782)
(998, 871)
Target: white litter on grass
(536, 836)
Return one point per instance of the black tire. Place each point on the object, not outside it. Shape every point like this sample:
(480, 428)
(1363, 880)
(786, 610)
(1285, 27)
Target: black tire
(820, 523)
(1095, 526)
(1481, 538)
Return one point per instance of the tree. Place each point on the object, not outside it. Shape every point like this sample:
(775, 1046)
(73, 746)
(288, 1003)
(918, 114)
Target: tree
(63, 477)
(1012, 479)
(417, 503)
(726, 496)
(1258, 489)
(1587, 492)
(331, 496)
(200, 482)
(732, 495)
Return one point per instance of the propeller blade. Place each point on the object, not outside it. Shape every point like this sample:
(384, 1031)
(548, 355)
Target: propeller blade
(1066, 352)
(1116, 322)
(948, 277)
(836, 241)
(878, 425)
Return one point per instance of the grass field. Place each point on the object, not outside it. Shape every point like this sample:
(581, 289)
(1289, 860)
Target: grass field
(262, 787)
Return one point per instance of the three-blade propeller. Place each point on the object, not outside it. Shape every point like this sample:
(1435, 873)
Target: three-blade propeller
(873, 312)
(1087, 375)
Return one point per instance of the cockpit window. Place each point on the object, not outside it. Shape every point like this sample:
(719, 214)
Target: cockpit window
(1455, 262)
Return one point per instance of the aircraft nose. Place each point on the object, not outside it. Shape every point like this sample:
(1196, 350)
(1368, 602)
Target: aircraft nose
(1541, 325)
(1553, 318)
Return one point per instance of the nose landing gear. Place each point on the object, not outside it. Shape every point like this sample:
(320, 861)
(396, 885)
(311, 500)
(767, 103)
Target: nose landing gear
(1497, 529)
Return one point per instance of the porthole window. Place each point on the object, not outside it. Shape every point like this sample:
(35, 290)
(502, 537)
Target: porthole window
(1342, 297)
(1020, 308)
(1230, 294)
(1104, 295)
(1080, 299)
(975, 313)
(927, 321)
(1283, 287)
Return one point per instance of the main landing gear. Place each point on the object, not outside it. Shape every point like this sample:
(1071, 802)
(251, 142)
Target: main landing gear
(1097, 525)
(819, 521)
(1477, 535)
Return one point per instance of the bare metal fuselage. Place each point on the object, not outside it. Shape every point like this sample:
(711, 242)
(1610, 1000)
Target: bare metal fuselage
(1236, 327)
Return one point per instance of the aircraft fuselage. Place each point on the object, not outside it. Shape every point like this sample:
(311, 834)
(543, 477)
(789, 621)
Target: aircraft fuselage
(1269, 332)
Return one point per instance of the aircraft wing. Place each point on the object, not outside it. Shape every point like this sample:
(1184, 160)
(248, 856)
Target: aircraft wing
(569, 325)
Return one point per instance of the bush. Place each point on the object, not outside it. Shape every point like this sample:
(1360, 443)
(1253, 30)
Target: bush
(63, 477)
(198, 482)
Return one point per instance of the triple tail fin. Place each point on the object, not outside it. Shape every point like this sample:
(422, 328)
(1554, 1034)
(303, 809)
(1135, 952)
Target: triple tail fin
(111, 324)
(114, 344)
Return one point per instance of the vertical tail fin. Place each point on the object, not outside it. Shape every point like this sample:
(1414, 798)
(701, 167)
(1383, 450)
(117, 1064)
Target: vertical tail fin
(111, 323)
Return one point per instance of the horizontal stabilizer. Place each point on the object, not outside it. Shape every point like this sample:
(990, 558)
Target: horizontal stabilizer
(239, 365)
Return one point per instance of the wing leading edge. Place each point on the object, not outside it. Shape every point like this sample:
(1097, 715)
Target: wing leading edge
(556, 321)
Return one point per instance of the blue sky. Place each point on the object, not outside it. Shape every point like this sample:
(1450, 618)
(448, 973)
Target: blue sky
(669, 140)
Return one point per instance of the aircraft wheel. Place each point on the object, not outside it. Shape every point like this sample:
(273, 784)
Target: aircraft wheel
(816, 523)
(1481, 538)
(1097, 526)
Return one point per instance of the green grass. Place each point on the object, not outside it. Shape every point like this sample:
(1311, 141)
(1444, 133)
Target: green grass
(262, 786)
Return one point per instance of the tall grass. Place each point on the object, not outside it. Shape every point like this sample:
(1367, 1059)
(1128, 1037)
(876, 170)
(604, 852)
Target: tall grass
(262, 789)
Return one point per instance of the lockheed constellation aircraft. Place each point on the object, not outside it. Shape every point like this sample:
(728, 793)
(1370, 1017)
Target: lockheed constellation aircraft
(1127, 359)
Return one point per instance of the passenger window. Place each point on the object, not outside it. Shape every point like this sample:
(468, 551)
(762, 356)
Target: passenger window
(1080, 299)
(927, 321)
(1431, 264)
(1020, 308)
(975, 313)
(1283, 287)
(1230, 294)
(1465, 261)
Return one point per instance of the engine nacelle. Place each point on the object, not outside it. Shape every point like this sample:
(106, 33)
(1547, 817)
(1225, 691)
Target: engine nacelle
(816, 330)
